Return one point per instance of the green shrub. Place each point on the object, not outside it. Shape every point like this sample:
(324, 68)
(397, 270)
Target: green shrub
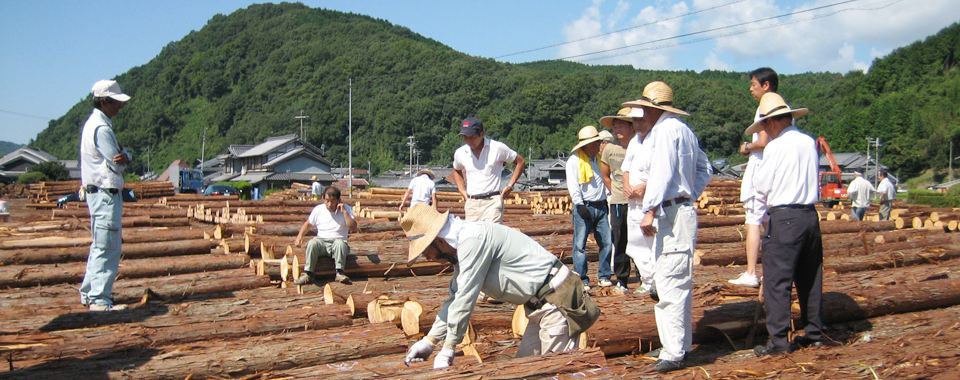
(130, 177)
(32, 177)
(933, 198)
(52, 170)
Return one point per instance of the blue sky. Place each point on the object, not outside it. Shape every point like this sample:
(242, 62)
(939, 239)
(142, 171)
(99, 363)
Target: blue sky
(51, 52)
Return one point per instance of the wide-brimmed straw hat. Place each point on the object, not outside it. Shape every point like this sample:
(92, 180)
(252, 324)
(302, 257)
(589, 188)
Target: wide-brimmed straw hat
(623, 114)
(607, 136)
(656, 95)
(586, 135)
(772, 104)
(425, 171)
(422, 224)
(314, 178)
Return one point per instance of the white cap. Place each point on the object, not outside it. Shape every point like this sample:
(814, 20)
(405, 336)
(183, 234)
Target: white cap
(109, 88)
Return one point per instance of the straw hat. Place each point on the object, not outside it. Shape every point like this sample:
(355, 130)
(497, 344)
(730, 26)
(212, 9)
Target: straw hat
(587, 135)
(422, 224)
(425, 171)
(772, 104)
(656, 95)
(605, 135)
(623, 114)
(314, 178)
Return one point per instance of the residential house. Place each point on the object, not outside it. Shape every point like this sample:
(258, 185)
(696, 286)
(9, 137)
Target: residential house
(15, 163)
(276, 163)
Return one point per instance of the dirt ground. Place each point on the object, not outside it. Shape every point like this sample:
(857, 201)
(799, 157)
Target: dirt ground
(918, 345)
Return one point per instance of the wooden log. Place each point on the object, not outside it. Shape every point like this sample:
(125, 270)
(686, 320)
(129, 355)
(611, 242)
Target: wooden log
(18, 276)
(574, 364)
(384, 310)
(129, 251)
(213, 358)
(166, 328)
(615, 337)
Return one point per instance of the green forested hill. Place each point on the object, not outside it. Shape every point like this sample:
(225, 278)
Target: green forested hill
(245, 76)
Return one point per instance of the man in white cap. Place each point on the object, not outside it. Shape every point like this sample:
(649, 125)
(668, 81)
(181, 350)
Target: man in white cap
(860, 191)
(679, 172)
(611, 159)
(477, 167)
(589, 198)
(636, 172)
(334, 222)
(792, 248)
(421, 189)
(102, 161)
(509, 266)
(316, 188)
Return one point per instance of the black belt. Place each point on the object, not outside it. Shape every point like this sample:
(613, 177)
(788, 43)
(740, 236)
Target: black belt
(93, 189)
(597, 204)
(675, 201)
(793, 207)
(545, 289)
(485, 195)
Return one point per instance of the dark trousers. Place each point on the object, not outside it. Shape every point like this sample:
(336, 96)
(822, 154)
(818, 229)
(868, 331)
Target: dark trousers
(792, 252)
(618, 236)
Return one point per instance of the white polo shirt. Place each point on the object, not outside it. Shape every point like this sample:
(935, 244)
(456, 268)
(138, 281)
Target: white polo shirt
(787, 174)
(330, 226)
(421, 189)
(482, 174)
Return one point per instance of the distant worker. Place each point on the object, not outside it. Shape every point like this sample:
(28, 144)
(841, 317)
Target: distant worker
(507, 265)
(611, 159)
(860, 191)
(421, 189)
(887, 193)
(316, 188)
(334, 222)
(762, 81)
(589, 198)
(477, 167)
(792, 248)
(102, 161)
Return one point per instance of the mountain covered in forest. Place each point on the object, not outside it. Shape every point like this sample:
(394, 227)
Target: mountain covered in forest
(243, 77)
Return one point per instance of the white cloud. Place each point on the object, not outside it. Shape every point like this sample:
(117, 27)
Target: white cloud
(612, 47)
(840, 38)
(712, 62)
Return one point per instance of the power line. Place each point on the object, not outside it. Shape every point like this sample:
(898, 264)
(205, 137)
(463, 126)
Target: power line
(712, 29)
(619, 30)
(28, 115)
(722, 35)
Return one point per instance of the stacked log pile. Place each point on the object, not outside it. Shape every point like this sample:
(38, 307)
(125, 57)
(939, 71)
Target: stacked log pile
(195, 314)
(50, 191)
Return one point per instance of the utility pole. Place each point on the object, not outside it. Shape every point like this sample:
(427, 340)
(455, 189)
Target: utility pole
(950, 173)
(301, 117)
(350, 138)
(411, 143)
(203, 148)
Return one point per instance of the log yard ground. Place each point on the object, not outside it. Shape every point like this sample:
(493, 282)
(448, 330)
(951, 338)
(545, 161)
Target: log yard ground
(209, 283)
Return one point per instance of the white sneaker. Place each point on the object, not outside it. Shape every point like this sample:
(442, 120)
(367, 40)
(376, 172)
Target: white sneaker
(747, 280)
(642, 289)
(604, 282)
(95, 307)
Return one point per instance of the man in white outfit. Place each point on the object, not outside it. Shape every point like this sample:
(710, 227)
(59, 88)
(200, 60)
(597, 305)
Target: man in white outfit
(860, 191)
(678, 174)
(636, 172)
(887, 193)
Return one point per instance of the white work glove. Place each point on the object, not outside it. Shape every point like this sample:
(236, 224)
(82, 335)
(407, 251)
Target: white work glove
(445, 358)
(419, 351)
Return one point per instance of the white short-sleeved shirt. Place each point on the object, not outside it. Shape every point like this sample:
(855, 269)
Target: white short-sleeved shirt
(330, 226)
(787, 174)
(482, 174)
(637, 162)
(421, 189)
